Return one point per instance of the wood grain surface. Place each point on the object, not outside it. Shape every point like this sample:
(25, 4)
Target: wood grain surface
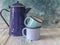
(49, 36)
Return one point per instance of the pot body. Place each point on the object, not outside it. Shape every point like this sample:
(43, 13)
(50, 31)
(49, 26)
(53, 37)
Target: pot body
(17, 16)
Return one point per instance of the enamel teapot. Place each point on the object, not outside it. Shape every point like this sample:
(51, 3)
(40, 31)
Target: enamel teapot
(17, 15)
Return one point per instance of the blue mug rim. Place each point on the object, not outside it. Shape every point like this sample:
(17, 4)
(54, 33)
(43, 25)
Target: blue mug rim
(33, 27)
(36, 20)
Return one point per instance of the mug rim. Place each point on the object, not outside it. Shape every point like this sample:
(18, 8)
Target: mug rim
(36, 17)
(33, 27)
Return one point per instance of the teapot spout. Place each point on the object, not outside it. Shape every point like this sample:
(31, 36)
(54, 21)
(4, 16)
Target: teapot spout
(27, 10)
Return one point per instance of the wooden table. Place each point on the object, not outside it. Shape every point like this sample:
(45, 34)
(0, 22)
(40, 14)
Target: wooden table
(49, 36)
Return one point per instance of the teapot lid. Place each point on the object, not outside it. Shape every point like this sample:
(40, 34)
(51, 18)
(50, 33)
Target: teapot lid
(17, 4)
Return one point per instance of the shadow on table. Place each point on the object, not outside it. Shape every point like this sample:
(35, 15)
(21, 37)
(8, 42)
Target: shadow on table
(49, 36)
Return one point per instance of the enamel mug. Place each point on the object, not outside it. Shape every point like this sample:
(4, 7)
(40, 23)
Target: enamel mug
(31, 34)
(32, 22)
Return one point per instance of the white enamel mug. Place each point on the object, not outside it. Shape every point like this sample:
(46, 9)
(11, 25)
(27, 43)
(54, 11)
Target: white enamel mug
(31, 34)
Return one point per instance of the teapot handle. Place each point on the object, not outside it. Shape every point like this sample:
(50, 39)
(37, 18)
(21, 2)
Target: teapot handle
(3, 17)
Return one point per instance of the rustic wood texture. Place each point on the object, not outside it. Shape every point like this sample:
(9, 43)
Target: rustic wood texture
(49, 36)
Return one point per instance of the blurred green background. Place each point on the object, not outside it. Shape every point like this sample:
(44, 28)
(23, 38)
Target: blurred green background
(48, 10)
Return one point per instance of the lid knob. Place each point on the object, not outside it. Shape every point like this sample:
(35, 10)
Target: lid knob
(17, 4)
(17, 1)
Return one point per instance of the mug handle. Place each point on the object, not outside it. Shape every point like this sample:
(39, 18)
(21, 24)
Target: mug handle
(26, 20)
(23, 32)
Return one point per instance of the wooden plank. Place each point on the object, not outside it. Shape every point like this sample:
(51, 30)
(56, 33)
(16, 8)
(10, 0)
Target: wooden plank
(49, 37)
(14, 41)
(4, 36)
